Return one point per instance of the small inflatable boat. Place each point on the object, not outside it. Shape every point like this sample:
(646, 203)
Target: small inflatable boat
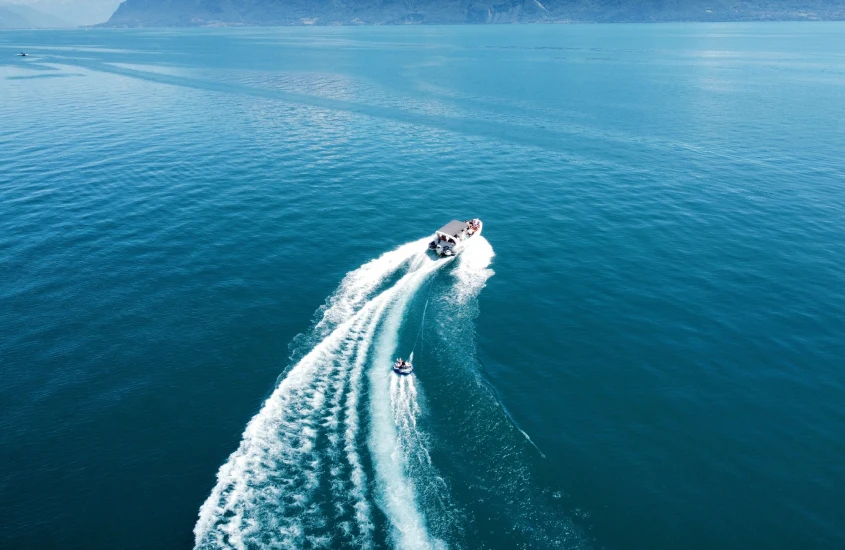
(403, 367)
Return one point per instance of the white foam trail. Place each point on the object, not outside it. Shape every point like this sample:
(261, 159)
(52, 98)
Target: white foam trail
(472, 270)
(397, 446)
(357, 286)
(265, 489)
(397, 496)
(358, 477)
(406, 411)
(268, 493)
(268, 482)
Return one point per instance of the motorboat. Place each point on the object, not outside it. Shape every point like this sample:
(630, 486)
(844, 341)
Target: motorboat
(452, 238)
(403, 367)
(22, 54)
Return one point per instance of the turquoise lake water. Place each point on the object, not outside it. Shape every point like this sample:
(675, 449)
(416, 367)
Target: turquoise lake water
(212, 245)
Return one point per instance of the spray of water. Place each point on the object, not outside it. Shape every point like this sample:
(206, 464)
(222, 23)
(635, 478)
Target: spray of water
(267, 492)
(297, 478)
(388, 441)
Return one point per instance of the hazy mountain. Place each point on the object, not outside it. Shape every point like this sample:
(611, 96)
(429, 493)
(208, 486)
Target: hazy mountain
(71, 12)
(15, 16)
(350, 12)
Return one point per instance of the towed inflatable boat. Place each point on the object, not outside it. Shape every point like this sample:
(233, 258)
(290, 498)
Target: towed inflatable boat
(453, 237)
(403, 367)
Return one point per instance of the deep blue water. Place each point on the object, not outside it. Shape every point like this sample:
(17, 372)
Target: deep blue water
(203, 227)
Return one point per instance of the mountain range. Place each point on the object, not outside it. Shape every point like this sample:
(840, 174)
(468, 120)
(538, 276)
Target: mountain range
(140, 13)
(15, 16)
(44, 14)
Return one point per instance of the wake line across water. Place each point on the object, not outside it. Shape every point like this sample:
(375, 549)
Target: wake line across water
(538, 136)
(391, 447)
(298, 480)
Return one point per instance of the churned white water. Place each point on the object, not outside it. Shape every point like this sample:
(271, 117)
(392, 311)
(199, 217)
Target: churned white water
(298, 477)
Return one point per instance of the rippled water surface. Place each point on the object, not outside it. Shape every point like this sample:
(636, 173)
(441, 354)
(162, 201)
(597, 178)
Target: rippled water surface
(212, 246)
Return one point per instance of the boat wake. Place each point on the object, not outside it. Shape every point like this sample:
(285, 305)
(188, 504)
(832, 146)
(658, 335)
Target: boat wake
(335, 457)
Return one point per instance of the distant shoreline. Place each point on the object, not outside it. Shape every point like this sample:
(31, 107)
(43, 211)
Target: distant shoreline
(323, 25)
(527, 23)
(297, 13)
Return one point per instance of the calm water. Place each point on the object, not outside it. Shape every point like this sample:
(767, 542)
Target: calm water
(211, 247)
